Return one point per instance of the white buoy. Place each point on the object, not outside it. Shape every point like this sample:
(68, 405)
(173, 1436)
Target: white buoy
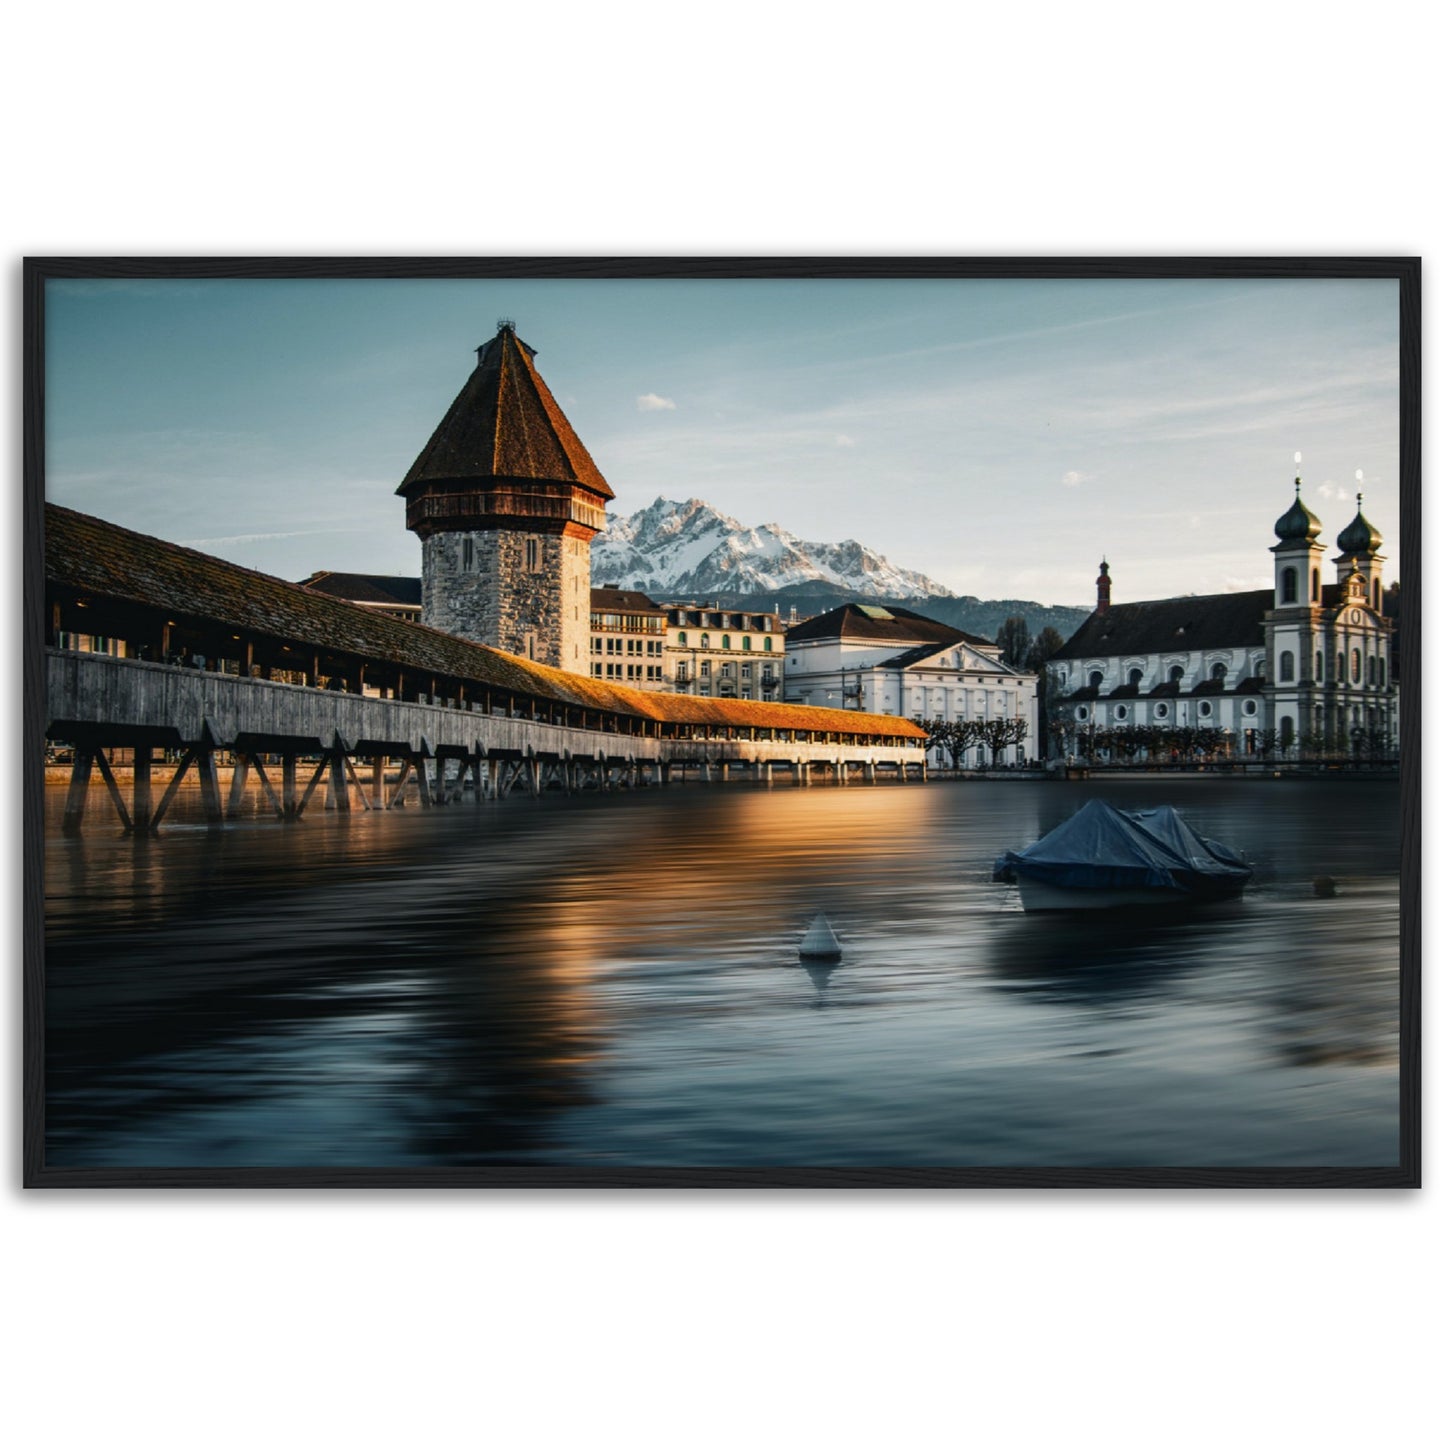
(820, 941)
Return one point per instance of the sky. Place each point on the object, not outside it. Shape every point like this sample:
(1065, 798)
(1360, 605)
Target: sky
(999, 436)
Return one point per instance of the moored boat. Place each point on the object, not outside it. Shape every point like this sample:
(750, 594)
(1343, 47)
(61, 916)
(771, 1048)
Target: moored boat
(1106, 857)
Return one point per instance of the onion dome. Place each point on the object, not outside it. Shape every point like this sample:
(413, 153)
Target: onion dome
(1359, 538)
(1299, 524)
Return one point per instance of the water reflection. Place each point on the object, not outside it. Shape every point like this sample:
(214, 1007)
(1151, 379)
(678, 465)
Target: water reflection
(821, 973)
(1104, 958)
(616, 980)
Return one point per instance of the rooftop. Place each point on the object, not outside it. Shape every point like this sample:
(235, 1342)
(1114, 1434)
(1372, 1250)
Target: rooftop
(106, 566)
(856, 622)
(505, 424)
(1173, 624)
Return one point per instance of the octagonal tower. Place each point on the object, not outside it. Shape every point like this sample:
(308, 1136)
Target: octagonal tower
(506, 502)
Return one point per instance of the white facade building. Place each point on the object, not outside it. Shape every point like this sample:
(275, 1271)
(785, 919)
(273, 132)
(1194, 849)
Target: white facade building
(1307, 661)
(889, 660)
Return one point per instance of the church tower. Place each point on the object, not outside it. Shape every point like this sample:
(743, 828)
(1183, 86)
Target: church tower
(506, 502)
(1359, 546)
(1293, 626)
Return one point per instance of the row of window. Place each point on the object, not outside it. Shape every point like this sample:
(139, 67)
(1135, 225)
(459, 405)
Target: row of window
(725, 669)
(1205, 709)
(1289, 587)
(532, 555)
(1371, 670)
(737, 621)
(1218, 673)
(628, 622)
(705, 641)
(628, 671)
(631, 646)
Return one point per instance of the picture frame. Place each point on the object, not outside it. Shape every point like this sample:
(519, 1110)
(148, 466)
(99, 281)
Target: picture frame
(39, 1172)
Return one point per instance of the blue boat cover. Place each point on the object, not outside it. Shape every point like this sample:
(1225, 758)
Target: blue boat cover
(1104, 847)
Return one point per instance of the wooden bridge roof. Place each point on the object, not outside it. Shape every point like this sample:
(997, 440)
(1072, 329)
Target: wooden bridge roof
(101, 562)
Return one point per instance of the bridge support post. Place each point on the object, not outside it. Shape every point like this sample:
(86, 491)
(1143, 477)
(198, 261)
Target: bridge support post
(210, 786)
(240, 772)
(337, 796)
(80, 769)
(805, 772)
(141, 805)
(378, 782)
(288, 787)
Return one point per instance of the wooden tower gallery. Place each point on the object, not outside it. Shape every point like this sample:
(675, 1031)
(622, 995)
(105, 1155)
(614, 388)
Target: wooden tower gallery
(506, 502)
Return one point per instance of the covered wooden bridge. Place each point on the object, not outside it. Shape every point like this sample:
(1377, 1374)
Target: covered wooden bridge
(154, 646)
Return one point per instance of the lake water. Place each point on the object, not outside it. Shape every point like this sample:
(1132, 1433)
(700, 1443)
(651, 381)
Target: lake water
(614, 980)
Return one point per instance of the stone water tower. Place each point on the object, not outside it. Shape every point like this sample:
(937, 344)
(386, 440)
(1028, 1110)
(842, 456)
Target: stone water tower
(506, 502)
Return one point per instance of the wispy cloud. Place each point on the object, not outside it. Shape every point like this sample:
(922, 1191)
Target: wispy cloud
(240, 537)
(1074, 479)
(844, 440)
(1331, 492)
(650, 401)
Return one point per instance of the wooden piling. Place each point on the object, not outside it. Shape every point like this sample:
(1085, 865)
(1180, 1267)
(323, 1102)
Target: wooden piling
(80, 769)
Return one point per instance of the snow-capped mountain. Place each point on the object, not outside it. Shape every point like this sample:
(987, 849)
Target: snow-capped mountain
(689, 549)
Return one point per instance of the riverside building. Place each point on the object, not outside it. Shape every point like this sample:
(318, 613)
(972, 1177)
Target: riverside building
(629, 635)
(1304, 666)
(893, 661)
(724, 652)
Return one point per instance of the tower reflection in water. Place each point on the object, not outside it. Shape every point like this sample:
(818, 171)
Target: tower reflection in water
(617, 980)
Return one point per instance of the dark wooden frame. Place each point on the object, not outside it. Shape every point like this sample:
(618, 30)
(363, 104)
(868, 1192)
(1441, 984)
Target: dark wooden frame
(1405, 270)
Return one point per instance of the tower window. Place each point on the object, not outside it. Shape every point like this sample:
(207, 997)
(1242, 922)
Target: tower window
(1319, 667)
(1096, 679)
(468, 554)
(1286, 667)
(1314, 584)
(1136, 676)
(1289, 585)
(1354, 664)
(1218, 672)
(1176, 673)
(534, 555)
(1376, 603)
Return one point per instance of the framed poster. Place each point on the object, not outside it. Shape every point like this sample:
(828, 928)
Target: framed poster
(663, 723)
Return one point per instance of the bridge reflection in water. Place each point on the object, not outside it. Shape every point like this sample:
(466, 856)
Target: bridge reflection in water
(615, 980)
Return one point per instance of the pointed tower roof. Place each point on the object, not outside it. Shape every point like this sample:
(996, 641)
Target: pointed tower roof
(1299, 524)
(1359, 539)
(505, 423)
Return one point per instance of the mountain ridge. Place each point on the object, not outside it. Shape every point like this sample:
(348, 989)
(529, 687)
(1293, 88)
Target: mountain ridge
(690, 551)
(692, 547)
